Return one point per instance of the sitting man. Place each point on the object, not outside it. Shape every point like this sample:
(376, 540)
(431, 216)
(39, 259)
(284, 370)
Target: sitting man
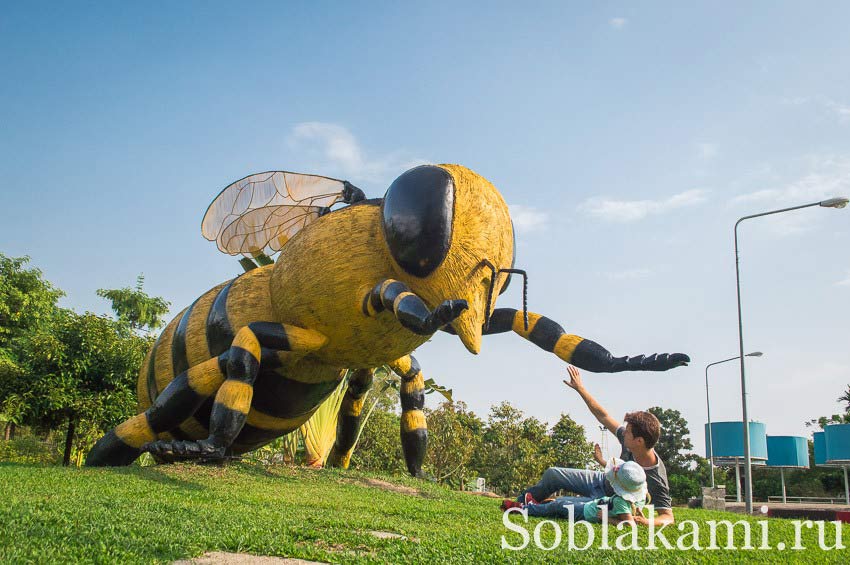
(637, 437)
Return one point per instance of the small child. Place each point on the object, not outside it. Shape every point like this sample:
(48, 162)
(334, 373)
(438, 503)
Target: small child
(628, 480)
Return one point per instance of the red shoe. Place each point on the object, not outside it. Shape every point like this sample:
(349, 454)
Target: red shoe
(530, 499)
(508, 503)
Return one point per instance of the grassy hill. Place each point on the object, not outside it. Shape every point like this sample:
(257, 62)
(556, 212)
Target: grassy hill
(164, 513)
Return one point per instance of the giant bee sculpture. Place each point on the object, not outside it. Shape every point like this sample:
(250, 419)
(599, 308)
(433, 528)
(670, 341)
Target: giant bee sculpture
(353, 288)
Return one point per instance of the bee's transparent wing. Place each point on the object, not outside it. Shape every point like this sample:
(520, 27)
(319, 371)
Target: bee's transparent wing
(259, 213)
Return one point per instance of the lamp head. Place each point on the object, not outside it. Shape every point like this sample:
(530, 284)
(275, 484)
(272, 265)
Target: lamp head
(754, 354)
(839, 202)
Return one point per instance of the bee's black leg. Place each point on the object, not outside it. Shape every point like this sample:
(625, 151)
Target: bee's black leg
(414, 429)
(180, 399)
(349, 421)
(583, 353)
(251, 346)
(409, 309)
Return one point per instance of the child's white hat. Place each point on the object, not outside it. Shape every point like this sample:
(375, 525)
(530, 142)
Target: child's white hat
(627, 478)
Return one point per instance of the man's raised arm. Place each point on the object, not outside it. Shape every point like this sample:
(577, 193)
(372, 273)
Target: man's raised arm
(593, 405)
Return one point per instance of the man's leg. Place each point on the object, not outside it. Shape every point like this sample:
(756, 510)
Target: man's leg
(584, 483)
(559, 508)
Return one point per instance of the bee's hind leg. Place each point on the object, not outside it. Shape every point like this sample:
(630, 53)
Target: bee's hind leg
(349, 421)
(256, 343)
(180, 399)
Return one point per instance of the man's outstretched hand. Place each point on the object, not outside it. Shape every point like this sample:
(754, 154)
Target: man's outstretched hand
(575, 378)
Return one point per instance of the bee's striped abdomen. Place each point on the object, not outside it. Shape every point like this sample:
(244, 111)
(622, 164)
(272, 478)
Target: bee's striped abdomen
(181, 345)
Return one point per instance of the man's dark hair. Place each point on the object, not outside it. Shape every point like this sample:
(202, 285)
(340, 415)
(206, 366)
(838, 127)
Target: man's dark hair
(644, 425)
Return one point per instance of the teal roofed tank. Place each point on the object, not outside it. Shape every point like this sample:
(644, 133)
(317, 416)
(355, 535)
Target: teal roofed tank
(728, 440)
(787, 451)
(837, 438)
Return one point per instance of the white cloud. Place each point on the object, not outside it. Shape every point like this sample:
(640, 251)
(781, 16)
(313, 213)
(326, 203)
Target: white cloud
(629, 275)
(528, 218)
(333, 150)
(618, 23)
(846, 281)
(633, 210)
(827, 176)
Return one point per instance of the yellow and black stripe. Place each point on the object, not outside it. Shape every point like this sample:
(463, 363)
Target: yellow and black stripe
(348, 423)
(219, 331)
(189, 345)
(542, 332)
(234, 413)
(233, 399)
(414, 429)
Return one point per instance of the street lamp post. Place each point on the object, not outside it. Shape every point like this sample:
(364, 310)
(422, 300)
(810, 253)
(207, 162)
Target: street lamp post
(748, 477)
(708, 410)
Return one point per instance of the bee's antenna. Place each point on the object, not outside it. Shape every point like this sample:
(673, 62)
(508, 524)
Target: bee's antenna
(524, 292)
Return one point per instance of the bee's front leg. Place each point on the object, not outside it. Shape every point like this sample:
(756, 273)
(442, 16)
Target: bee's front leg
(409, 309)
(414, 429)
(581, 352)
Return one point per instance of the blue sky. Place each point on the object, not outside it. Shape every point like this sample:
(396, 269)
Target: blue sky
(627, 137)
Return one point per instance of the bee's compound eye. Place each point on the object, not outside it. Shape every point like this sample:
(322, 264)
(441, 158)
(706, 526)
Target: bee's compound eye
(417, 218)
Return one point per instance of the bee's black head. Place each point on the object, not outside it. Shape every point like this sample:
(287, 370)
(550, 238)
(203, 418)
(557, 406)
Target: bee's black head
(417, 219)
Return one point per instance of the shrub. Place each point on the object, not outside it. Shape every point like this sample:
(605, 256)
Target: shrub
(29, 450)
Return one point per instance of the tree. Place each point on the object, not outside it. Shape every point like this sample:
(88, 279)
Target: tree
(453, 435)
(134, 306)
(13, 405)
(27, 301)
(674, 443)
(568, 445)
(845, 398)
(844, 418)
(27, 304)
(379, 448)
(511, 455)
(81, 372)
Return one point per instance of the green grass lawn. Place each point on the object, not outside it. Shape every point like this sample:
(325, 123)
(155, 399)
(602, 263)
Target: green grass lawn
(163, 513)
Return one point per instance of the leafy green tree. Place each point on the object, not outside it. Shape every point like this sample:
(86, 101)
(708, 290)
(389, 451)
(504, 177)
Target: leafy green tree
(378, 448)
(568, 445)
(824, 421)
(27, 304)
(81, 372)
(454, 433)
(27, 301)
(674, 444)
(137, 308)
(13, 406)
(683, 487)
(512, 451)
